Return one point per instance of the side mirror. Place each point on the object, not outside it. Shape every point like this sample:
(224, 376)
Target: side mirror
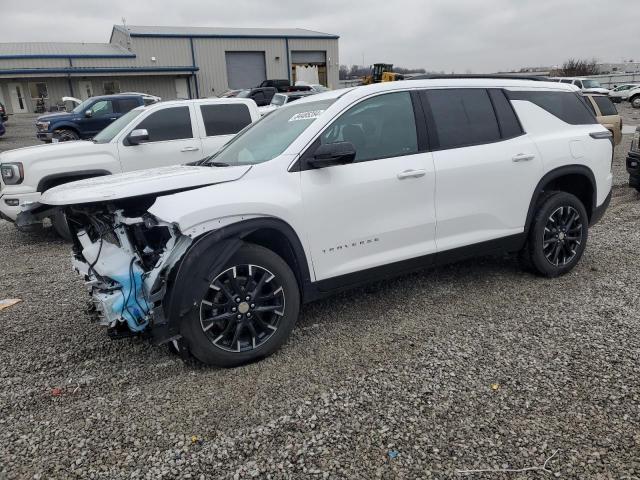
(137, 136)
(88, 113)
(330, 154)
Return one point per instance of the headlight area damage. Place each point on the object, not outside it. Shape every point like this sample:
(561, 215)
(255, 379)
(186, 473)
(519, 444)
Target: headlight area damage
(125, 256)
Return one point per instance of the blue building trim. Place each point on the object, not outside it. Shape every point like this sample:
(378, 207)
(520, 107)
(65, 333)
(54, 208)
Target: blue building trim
(286, 46)
(202, 35)
(71, 70)
(21, 57)
(193, 63)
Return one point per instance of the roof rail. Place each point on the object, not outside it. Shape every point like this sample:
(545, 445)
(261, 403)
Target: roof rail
(497, 76)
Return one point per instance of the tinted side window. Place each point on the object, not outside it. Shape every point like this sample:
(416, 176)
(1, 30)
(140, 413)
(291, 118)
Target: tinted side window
(225, 119)
(566, 81)
(578, 83)
(462, 117)
(606, 106)
(102, 108)
(567, 106)
(168, 124)
(379, 127)
(127, 104)
(507, 120)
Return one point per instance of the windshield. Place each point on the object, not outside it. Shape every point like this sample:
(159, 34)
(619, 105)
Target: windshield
(591, 84)
(83, 106)
(271, 135)
(278, 100)
(108, 134)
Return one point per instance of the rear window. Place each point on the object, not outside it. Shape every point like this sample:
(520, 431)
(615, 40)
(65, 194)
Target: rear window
(462, 117)
(606, 106)
(225, 119)
(127, 104)
(566, 106)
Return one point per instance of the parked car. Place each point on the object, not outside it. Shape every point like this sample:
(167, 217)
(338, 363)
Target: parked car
(231, 93)
(147, 98)
(621, 92)
(633, 161)
(282, 85)
(261, 95)
(633, 96)
(3, 113)
(2, 127)
(333, 191)
(87, 119)
(314, 87)
(606, 113)
(587, 85)
(281, 99)
(162, 134)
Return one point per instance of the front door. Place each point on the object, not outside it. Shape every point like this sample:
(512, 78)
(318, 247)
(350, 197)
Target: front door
(379, 209)
(173, 140)
(100, 114)
(182, 89)
(17, 95)
(86, 89)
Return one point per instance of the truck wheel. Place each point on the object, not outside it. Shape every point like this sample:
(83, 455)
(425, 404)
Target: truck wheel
(65, 135)
(60, 225)
(247, 311)
(635, 101)
(557, 235)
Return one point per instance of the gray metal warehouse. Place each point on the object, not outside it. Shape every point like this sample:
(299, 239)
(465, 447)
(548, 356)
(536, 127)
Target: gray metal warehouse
(170, 62)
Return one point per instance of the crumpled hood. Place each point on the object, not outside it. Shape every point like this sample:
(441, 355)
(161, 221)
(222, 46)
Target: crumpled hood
(138, 183)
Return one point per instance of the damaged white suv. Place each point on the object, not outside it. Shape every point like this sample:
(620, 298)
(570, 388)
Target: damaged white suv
(333, 191)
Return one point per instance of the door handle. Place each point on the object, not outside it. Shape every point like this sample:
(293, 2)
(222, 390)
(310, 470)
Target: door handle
(523, 157)
(412, 174)
(190, 149)
(113, 118)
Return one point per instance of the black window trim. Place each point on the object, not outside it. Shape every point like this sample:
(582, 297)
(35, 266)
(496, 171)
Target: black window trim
(201, 116)
(433, 132)
(301, 165)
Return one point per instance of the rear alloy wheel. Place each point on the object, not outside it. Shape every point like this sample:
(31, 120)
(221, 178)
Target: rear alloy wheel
(247, 311)
(65, 135)
(558, 234)
(635, 102)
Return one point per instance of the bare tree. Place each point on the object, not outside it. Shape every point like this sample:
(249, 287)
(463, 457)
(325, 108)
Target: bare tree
(578, 68)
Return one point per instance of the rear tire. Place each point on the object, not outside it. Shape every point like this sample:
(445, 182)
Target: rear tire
(558, 234)
(255, 301)
(65, 135)
(635, 101)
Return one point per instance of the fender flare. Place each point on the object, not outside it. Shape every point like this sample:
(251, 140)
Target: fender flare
(181, 298)
(557, 173)
(72, 176)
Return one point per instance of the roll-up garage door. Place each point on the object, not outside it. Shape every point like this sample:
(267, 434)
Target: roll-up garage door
(308, 57)
(245, 69)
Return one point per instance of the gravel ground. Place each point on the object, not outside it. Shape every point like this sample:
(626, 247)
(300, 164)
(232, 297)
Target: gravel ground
(472, 366)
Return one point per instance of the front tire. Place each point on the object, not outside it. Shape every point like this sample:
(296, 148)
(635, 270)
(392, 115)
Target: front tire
(635, 101)
(247, 312)
(65, 135)
(557, 235)
(60, 225)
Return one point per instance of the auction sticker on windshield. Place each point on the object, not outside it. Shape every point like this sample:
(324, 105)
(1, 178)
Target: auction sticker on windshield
(311, 115)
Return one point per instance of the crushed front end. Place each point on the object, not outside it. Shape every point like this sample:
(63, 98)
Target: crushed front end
(125, 256)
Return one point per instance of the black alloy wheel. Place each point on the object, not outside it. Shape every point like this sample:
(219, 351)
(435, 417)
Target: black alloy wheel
(562, 236)
(242, 308)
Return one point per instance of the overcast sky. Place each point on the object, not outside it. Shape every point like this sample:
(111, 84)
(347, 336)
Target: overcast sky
(449, 35)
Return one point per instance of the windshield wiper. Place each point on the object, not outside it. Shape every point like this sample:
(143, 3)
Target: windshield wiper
(217, 164)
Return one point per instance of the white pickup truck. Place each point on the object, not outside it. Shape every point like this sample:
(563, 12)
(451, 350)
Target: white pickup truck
(162, 134)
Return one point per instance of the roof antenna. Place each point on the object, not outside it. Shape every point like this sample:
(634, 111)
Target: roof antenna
(126, 32)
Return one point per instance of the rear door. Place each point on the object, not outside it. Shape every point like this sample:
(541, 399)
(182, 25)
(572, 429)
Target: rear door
(486, 166)
(219, 122)
(173, 139)
(379, 209)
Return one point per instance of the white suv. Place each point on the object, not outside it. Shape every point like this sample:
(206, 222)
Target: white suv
(330, 192)
(587, 85)
(166, 133)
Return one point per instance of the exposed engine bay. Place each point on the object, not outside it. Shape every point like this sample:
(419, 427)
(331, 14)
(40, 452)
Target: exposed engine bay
(125, 255)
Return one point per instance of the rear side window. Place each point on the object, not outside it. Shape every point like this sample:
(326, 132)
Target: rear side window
(507, 120)
(566, 106)
(127, 104)
(168, 124)
(225, 119)
(606, 106)
(462, 117)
